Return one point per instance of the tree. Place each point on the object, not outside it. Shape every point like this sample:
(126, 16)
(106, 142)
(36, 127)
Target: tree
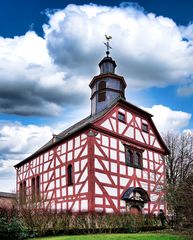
(179, 174)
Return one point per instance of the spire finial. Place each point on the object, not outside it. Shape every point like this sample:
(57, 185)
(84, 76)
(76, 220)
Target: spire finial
(108, 38)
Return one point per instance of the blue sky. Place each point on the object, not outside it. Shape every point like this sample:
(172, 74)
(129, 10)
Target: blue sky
(50, 50)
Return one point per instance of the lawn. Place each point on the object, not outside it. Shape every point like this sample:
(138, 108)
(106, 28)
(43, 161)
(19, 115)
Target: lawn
(133, 236)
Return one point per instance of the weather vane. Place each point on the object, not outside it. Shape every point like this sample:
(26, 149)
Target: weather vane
(108, 38)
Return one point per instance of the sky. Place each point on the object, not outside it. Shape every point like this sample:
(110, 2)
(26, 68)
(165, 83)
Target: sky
(50, 50)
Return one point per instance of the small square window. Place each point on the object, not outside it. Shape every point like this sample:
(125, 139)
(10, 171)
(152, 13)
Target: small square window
(121, 117)
(145, 127)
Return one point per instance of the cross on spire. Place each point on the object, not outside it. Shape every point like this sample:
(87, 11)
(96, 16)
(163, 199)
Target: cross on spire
(108, 38)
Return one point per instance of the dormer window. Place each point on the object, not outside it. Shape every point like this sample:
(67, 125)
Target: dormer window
(145, 127)
(121, 117)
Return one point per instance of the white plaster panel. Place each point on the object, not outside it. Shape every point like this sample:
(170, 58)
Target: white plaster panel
(58, 193)
(113, 154)
(63, 170)
(97, 151)
(113, 143)
(107, 125)
(77, 188)
(49, 194)
(114, 179)
(77, 152)
(84, 175)
(64, 191)
(145, 165)
(83, 163)
(98, 200)
(63, 148)
(114, 115)
(122, 203)
(105, 141)
(156, 144)
(69, 156)
(145, 175)
(51, 185)
(151, 165)
(130, 132)
(152, 186)
(97, 164)
(138, 173)
(97, 209)
(63, 205)
(123, 181)
(107, 202)
(121, 127)
(144, 185)
(84, 205)
(114, 167)
(50, 174)
(111, 191)
(153, 197)
(76, 176)
(146, 137)
(113, 121)
(115, 202)
(76, 167)
(57, 171)
(85, 152)
(106, 163)
(138, 136)
(75, 207)
(122, 157)
(70, 190)
(85, 188)
(83, 142)
(150, 155)
(57, 162)
(138, 120)
(121, 110)
(129, 117)
(122, 169)
(58, 183)
(45, 157)
(97, 189)
(121, 146)
(161, 170)
(130, 171)
(77, 142)
(106, 151)
(109, 210)
(151, 139)
(156, 157)
(63, 158)
(102, 177)
(83, 136)
(63, 181)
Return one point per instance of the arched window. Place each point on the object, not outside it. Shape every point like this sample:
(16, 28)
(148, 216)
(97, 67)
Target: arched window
(69, 175)
(24, 192)
(137, 159)
(37, 188)
(21, 192)
(33, 188)
(102, 92)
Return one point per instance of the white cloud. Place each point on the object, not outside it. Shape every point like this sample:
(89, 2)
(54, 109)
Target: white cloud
(167, 119)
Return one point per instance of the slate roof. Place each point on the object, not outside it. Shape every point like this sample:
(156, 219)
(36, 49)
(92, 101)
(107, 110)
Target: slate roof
(84, 124)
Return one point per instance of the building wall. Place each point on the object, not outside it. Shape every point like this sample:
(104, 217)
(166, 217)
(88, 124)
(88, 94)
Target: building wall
(113, 177)
(51, 167)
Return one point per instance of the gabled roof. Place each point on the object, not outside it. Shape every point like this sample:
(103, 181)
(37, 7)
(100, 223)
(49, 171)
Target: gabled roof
(85, 123)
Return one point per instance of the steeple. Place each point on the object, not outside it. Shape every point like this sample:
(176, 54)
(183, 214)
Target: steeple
(106, 86)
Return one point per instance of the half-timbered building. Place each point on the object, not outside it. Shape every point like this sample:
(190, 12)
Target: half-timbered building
(111, 161)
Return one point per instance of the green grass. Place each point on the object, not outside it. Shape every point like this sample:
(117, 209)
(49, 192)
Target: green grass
(133, 236)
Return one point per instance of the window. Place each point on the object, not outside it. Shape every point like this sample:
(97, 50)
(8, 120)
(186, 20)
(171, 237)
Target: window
(145, 127)
(102, 93)
(121, 117)
(133, 157)
(38, 188)
(33, 186)
(69, 176)
(21, 192)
